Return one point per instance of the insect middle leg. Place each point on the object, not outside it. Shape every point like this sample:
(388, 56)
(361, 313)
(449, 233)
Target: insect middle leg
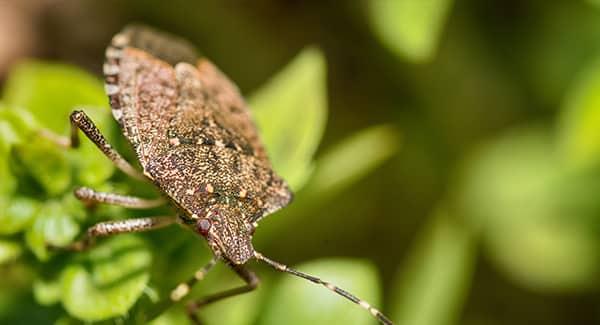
(91, 197)
(109, 228)
(251, 279)
(80, 120)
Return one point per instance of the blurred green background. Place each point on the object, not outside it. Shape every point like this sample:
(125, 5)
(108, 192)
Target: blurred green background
(445, 155)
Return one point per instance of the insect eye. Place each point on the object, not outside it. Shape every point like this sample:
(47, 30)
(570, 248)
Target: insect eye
(203, 226)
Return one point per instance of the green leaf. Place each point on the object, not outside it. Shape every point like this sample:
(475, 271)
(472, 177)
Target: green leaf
(47, 163)
(594, 2)
(20, 120)
(509, 192)
(53, 225)
(17, 214)
(108, 279)
(9, 251)
(291, 111)
(173, 316)
(297, 301)
(352, 159)
(431, 288)
(409, 28)
(52, 91)
(8, 137)
(579, 128)
(46, 292)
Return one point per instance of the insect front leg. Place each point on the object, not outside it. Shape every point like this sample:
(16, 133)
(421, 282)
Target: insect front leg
(91, 197)
(109, 228)
(80, 121)
(252, 282)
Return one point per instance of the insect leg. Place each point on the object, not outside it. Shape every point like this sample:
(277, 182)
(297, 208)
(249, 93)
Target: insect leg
(89, 196)
(184, 288)
(80, 120)
(109, 228)
(248, 276)
(284, 268)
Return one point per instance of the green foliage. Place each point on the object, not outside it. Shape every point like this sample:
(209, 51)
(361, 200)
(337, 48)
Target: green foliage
(433, 285)
(594, 2)
(579, 132)
(129, 278)
(409, 28)
(9, 251)
(293, 103)
(515, 193)
(499, 110)
(51, 91)
(352, 159)
(108, 280)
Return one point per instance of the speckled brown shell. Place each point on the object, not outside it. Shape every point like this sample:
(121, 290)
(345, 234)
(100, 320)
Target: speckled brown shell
(189, 126)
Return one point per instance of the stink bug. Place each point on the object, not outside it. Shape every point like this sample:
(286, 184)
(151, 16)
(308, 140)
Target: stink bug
(195, 140)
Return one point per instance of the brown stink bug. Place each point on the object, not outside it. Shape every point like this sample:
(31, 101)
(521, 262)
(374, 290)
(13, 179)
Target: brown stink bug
(195, 140)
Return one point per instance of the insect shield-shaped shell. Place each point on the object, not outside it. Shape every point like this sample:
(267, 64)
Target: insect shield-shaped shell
(194, 137)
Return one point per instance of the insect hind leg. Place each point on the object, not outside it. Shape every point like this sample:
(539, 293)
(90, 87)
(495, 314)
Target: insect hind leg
(252, 282)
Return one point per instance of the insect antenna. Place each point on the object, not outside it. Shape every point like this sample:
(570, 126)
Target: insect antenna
(284, 268)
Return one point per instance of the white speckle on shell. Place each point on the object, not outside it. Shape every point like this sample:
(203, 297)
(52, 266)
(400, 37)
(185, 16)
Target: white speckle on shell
(120, 40)
(113, 53)
(117, 114)
(110, 69)
(111, 89)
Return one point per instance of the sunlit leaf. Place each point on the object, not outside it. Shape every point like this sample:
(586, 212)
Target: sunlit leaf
(510, 192)
(580, 124)
(52, 91)
(20, 120)
(18, 213)
(432, 286)
(47, 292)
(52, 225)
(410, 28)
(291, 111)
(107, 280)
(297, 301)
(8, 137)
(47, 163)
(350, 160)
(9, 251)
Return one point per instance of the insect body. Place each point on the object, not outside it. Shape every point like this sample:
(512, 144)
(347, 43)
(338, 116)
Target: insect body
(195, 140)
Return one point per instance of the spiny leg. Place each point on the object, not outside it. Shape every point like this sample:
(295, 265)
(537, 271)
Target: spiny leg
(248, 276)
(91, 197)
(80, 120)
(109, 228)
(284, 268)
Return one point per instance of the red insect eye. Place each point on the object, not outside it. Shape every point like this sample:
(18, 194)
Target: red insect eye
(203, 226)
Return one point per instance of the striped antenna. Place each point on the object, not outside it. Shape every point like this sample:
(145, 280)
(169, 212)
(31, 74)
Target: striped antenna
(284, 268)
